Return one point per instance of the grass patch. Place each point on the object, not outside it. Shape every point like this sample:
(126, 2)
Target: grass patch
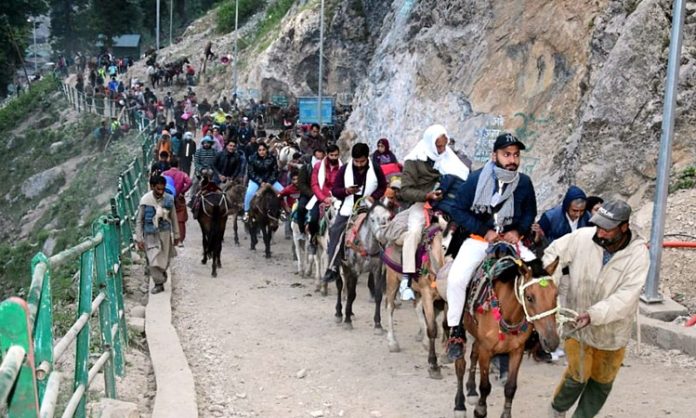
(28, 103)
(226, 13)
(684, 180)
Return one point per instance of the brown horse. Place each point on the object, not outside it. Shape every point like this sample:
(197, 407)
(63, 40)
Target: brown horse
(505, 303)
(212, 217)
(234, 191)
(265, 216)
(428, 301)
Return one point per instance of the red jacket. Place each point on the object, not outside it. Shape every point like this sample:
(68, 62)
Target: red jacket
(182, 182)
(331, 172)
(291, 193)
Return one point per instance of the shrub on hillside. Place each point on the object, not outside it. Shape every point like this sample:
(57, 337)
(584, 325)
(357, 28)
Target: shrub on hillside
(226, 12)
(27, 103)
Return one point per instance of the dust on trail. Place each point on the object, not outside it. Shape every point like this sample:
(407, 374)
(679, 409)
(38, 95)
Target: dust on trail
(250, 333)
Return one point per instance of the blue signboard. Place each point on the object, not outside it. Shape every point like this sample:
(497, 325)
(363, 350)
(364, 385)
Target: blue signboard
(308, 110)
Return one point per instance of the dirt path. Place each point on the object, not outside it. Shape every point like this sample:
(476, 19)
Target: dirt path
(248, 333)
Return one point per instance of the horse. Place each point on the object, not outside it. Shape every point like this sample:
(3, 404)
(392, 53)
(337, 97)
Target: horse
(428, 302)
(264, 215)
(362, 256)
(320, 259)
(174, 69)
(212, 217)
(234, 191)
(506, 300)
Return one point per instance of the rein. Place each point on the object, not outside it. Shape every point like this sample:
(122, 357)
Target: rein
(220, 203)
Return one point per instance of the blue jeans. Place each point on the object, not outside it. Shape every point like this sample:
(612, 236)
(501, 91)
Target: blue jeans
(252, 188)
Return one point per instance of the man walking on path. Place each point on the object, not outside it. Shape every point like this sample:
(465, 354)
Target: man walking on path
(607, 267)
(157, 230)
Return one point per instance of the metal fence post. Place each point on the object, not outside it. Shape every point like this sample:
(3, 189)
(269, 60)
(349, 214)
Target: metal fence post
(82, 344)
(114, 257)
(109, 283)
(15, 329)
(43, 325)
(105, 322)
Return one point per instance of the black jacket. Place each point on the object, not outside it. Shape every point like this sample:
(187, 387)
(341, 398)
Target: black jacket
(479, 223)
(263, 170)
(230, 165)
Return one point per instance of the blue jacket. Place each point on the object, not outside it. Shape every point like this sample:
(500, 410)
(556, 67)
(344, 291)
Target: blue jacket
(554, 222)
(449, 184)
(480, 223)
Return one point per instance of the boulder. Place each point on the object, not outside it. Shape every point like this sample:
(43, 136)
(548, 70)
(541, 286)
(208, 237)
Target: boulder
(40, 182)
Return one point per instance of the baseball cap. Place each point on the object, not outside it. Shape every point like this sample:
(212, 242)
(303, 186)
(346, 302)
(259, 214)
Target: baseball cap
(611, 214)
(505, 140)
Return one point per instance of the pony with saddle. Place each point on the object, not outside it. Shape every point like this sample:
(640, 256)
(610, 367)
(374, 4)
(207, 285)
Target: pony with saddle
(211, 210)
(506, 300)
(430, 258)
(362, 255)
(264, 215)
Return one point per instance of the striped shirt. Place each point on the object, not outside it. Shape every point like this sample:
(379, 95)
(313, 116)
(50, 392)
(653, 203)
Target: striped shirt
(204, 158)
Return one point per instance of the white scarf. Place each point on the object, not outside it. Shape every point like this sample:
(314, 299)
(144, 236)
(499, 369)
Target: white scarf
(369, 187)
(446, 163)
(321, 177)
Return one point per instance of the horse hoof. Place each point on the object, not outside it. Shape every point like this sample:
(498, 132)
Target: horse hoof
(268, 255)
(204, 261)
(472, 399)
(348, 326)
(506, 414)
(435, 374)
(338, 319)
(482, 414)
(419, 337)
(324, 291)
(459, 414)
(379, 331)
(394, 348)
(214, 274)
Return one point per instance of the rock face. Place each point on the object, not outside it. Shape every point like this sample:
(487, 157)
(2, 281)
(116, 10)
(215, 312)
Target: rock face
(580, 82)
(38, 183)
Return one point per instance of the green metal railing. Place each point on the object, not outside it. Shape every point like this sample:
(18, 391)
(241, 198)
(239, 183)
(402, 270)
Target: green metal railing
(29, 384)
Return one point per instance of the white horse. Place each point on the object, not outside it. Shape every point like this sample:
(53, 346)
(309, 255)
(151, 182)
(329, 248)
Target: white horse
(320, 259)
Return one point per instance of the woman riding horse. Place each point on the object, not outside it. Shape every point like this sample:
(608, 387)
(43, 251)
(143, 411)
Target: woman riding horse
(263, 169)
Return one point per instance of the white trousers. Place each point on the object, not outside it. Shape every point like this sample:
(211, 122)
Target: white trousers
(470, 256)
(411, 238)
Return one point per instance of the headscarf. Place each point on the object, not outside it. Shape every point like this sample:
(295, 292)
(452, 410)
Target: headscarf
(386, 157)
(445, 163)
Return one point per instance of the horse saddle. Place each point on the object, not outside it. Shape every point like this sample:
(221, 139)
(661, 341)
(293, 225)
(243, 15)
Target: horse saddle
(392, 255)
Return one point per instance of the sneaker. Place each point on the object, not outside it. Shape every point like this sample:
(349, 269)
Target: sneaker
(406, 292)
(455, 344)
(157, 289)
(245, 218)
(329, 276)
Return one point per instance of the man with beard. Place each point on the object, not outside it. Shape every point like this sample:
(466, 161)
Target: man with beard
(324, 176)
(607, 266)
(495, 203)
(157, 230)
(313, 140)
(355, 179)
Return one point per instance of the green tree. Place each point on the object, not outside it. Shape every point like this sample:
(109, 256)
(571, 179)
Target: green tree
(69, 30)
(112, 18)
(14, 33)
